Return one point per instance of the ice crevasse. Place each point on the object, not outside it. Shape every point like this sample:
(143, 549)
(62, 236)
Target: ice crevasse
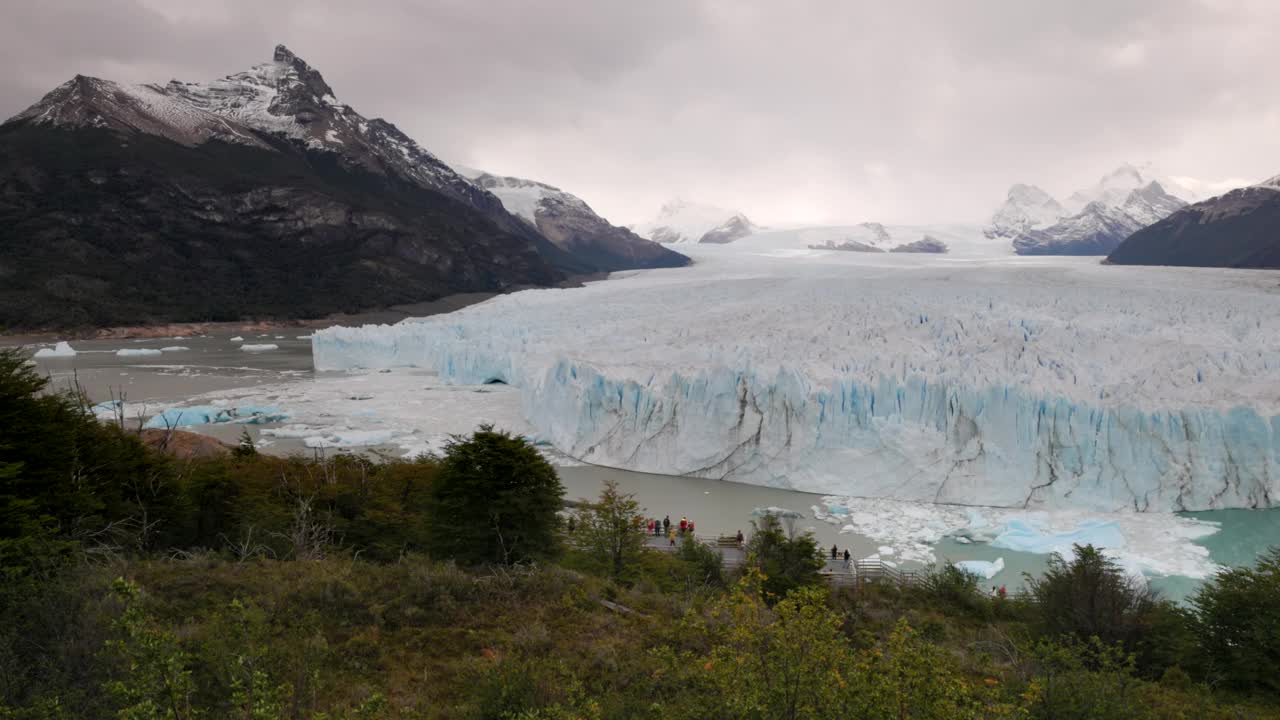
(933, 423)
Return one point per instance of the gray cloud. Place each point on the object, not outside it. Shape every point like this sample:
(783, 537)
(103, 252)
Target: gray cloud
(808, 110)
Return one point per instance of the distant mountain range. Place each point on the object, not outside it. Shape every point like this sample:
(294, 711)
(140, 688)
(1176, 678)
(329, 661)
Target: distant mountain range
(256, 195)
(1092, 221)
(683, 221)
(1240, 229)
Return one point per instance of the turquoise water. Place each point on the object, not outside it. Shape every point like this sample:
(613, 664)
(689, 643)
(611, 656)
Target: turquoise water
(1243, 535)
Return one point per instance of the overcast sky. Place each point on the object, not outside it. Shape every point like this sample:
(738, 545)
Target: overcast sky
(795, 111)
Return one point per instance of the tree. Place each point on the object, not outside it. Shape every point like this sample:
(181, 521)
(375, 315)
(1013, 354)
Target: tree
(1238, 619)
(495, 500)
(1090, 596)
(611, 529)
(67, 479)
(786, 562)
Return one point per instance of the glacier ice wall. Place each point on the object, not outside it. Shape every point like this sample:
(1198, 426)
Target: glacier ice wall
(1063, 388)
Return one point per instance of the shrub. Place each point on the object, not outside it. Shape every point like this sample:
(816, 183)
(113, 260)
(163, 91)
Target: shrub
(1238, 622)
(495, 501)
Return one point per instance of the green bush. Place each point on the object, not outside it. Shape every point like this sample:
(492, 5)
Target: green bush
(495, 500)
(1238, 624)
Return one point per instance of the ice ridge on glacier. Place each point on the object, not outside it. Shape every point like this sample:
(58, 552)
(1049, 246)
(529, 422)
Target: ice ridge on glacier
(1049, 385)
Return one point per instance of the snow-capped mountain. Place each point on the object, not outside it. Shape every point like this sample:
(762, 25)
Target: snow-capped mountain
(1113, 189)
(1025, 208)
(289, 98)
(566, 220)
(86, 102)
(682, 221)
(1099, 228)
(1093, 220)
(1240, 229)
(255, 195)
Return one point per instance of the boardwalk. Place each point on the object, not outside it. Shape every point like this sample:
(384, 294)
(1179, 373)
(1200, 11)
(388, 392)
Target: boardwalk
(838, 574)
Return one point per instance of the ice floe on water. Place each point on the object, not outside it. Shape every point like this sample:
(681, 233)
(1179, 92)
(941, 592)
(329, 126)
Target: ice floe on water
(1142, 543)
(175, 348)
(408, 412)
(62, 349)
(981, 568)
(237, 338)
(261, 347)
(339, 436)
(138, 352)
(210, 414)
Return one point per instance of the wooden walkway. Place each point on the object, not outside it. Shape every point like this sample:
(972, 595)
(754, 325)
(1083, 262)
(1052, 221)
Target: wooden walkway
(837, 573)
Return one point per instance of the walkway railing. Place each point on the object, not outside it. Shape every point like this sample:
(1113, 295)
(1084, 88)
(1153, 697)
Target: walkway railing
(837, 573)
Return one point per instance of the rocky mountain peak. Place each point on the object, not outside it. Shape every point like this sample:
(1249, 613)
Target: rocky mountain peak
(300, 76)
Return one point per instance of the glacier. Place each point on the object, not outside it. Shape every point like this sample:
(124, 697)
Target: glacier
(1008, 382)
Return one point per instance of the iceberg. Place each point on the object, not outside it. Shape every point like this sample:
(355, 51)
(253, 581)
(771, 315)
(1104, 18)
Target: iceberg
(981, 568)
(61, 350)
(208, 414)
(1054, 383)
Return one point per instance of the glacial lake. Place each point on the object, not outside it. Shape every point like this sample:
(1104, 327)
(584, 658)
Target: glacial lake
(216, 363)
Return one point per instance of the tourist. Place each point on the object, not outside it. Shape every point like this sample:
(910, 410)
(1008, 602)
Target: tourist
(651, 524)
(671, 537)
(848, 559)
(834, 551)
(739, 538)
(666, 523)
(690, 527)
(684, 524)
(1002, 592)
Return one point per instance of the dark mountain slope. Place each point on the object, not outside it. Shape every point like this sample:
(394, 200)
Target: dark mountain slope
(1239, 230)
(102, 225)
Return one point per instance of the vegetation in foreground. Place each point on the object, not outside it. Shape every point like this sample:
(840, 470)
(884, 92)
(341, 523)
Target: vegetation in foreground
(138, 586)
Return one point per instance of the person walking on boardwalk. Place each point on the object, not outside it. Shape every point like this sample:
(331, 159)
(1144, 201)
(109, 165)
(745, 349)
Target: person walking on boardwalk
(834, 551)
(847, 559)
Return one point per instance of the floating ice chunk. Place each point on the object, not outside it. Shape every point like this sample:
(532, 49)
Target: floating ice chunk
(279, 337)
(237, 339)
(207, 414)
(885, 550)
(61, 350)
(137, 352)
(778, 512)
(265, 347)
(1030, 536)
(344, 438)
(175, 348)
(304, 337)
(981, 568)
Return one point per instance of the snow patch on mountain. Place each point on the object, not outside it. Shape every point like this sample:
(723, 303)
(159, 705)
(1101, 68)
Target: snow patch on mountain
(1099, 227)
(1025, 208)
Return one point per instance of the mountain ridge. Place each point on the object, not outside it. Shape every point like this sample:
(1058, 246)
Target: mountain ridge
(255, 195)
